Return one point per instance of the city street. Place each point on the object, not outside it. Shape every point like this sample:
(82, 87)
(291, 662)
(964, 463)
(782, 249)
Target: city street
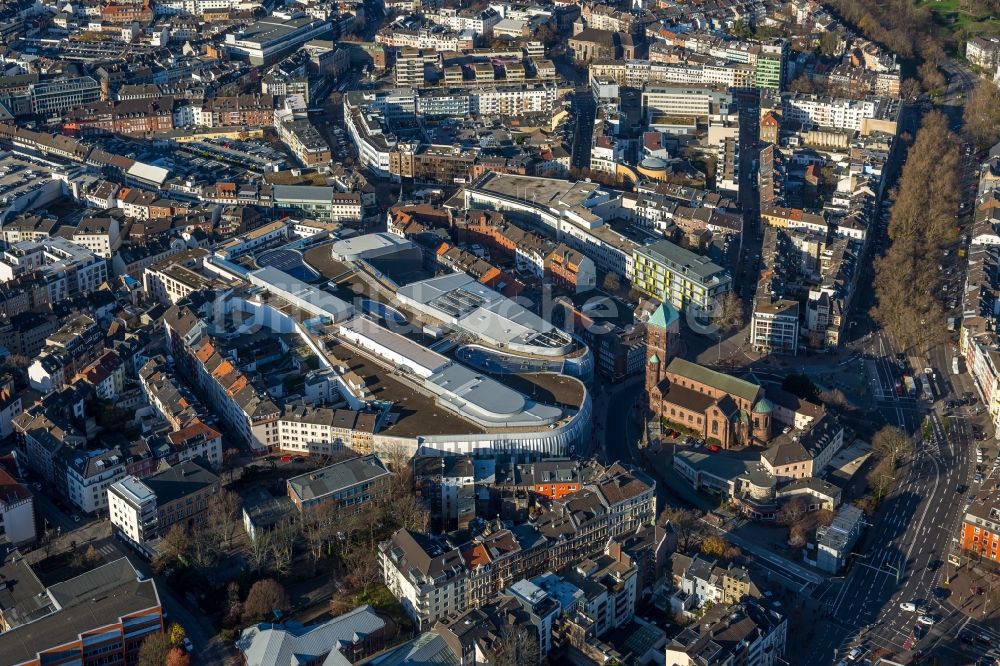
(903, 556)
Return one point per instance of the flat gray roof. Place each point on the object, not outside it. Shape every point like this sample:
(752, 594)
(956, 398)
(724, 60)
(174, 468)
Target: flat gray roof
(551, 192)
(420, 355)
(461, 300)
(370, 245)
(296, 292)
(681, 259)
(340, 476)
(486, 400)
(317, 193)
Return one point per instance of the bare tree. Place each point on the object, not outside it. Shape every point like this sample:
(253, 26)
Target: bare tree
(283, 544)
(517, 647)
(203, 548)
(880, 484)
(362, 563)
(259, 550)
(224, 517)
(892, 444)
(793, 510)
(154, 650)
(230, 462)
(317, 531)
(409, 511)
(729, 312)
(611, 284)
(684, 522)
(174, 548)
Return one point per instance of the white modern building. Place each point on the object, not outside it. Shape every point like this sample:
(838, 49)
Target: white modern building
(68, 269)
(143, 510)
(88, 475)
(462, 302)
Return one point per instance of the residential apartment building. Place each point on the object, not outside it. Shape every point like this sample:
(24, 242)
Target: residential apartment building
(979, 533)
(10, 405)
(142, 510)
(983, 52)
(750, 633)
(305, 429)
(305, 142)
(247, 411)
(774, 325)
(425, 576)
(575, 527)
(679, 277)
(66, 268)
(100, 235)
(609, 591)
(76, 344)
(88, 475)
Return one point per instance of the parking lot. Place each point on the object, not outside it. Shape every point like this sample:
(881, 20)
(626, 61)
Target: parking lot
(289, 261)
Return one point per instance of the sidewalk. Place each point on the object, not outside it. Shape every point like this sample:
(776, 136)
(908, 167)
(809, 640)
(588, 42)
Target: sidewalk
(983, 607)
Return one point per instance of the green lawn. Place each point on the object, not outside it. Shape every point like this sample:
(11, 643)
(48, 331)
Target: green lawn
(380, 598)
(952, 15)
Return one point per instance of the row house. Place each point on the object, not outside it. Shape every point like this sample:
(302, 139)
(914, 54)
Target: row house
(250, 110)
(576, 527)
(105, 376)
(132, 117)
(571, 269)
(303, 429)
(67, 351)
(247, 411)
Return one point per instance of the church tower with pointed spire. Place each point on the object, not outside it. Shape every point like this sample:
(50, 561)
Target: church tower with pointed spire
(662, 336)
